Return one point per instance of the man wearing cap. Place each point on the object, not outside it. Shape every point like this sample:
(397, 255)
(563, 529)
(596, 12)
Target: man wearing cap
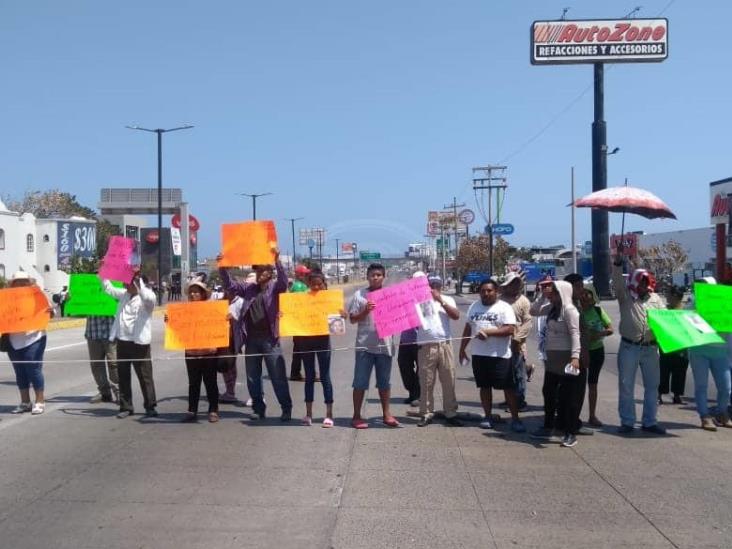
(298, 286)
(258, 325)
(511, 293)
(434, 339)
(638, 347)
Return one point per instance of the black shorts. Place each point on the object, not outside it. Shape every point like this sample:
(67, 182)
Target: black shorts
(493, 372)
(597, 359)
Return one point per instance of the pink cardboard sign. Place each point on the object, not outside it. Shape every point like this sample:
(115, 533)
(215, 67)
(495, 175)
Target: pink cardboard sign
(395, 306)
(116, 264)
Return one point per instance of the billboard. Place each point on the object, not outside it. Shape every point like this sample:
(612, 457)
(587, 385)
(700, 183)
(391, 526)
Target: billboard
(438, 220)
(317, 235)
(347, 247)
(599, 41)
(75, 238)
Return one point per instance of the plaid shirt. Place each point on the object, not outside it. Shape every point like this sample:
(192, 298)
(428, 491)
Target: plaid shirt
(98, 327)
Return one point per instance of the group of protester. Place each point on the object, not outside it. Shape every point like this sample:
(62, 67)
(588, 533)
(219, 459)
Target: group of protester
(570, 323)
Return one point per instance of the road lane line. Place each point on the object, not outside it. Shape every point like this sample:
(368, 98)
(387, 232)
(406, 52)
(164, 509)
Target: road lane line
(65, 346)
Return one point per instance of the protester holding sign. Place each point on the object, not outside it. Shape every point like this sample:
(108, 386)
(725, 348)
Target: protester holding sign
(103, 357)
(705, 359)
(132, 330)
(673, 364)
(372, 352)
(310, 347)
(25, 349)
(258, 325)
(638, 347)
(298, 286)
(201, 367)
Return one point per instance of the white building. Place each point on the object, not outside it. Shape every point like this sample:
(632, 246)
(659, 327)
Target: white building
(43, 247)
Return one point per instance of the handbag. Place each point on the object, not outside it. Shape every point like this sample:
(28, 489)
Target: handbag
(5, 346)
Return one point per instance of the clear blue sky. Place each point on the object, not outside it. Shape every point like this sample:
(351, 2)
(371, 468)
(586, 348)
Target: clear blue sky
(359, 116)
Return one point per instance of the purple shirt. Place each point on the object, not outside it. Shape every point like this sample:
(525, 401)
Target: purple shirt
(248, 291)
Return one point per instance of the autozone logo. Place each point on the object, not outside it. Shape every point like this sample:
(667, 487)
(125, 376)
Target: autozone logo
(720, 206)
(588, 33)
(599, 41)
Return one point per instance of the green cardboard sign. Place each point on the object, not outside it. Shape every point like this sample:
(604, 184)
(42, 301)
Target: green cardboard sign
(87, 297)
(714, 304)
(678, 329)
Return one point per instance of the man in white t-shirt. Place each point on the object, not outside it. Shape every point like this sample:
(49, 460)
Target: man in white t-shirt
(492, 323)
(435, 355)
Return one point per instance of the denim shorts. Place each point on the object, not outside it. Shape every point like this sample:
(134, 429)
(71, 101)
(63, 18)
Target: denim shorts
(365, 362)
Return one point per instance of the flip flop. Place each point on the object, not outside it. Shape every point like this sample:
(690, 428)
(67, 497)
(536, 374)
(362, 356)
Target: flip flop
(391, 421)
(359, 424)
(307, 421)
(327, 423)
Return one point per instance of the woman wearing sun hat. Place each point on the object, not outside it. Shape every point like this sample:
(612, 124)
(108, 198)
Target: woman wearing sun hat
(26, 353)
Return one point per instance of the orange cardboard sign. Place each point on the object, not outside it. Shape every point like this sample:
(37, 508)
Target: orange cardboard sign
(197, 325)
(308, 313)
(23, 309)
(248, 243)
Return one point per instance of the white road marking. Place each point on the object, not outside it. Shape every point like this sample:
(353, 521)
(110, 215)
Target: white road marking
(65, 346)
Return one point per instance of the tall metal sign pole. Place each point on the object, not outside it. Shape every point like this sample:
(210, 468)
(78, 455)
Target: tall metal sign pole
(598, 42)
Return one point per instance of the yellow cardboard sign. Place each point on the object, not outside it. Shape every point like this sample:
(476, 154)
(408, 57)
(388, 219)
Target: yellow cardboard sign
(306, 313)
(197, 325)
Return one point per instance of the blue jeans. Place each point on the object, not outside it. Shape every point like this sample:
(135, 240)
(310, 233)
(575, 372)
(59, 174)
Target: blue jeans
(701, 364)
(275, 362)
(519, 376)
(629, 358)
(30, 372)
(365, 362)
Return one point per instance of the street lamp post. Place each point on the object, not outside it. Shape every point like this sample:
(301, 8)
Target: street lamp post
(338, 270)
(292, 224)
(254, 202)
(160, 132)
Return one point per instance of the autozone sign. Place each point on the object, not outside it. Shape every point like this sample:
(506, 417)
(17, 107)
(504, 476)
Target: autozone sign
(719, 203)
(599, 41)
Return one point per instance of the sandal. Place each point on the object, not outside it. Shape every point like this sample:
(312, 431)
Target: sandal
(213, 417)
(188, 417)
(391, 421)
(22, 408)
(38, 408)
(307, 421)
(359, 424)
(327, 423)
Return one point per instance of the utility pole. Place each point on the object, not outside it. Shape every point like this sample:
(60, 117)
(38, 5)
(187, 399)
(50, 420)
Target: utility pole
(487, 182)
(454, 206)
(292, 223)
(254, 202)
(338, 271)
(572, 244)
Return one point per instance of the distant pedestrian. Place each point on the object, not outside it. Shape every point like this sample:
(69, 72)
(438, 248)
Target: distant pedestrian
(372, 352)
(561, 376)
(201, 366)
(25, 351)
(491, 323)
(512, 293)
(705, 359)
(312, 347)
(103, 358)
(132, 330)
(259, 329)
(598, 325)
(638, 347)
(673, 365)
(436, 358)
(298, 285)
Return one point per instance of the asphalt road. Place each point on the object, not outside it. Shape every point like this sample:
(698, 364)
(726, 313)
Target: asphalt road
(77, 477)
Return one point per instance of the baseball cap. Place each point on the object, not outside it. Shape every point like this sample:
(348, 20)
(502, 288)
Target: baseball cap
(434, 279)
(302, 269)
